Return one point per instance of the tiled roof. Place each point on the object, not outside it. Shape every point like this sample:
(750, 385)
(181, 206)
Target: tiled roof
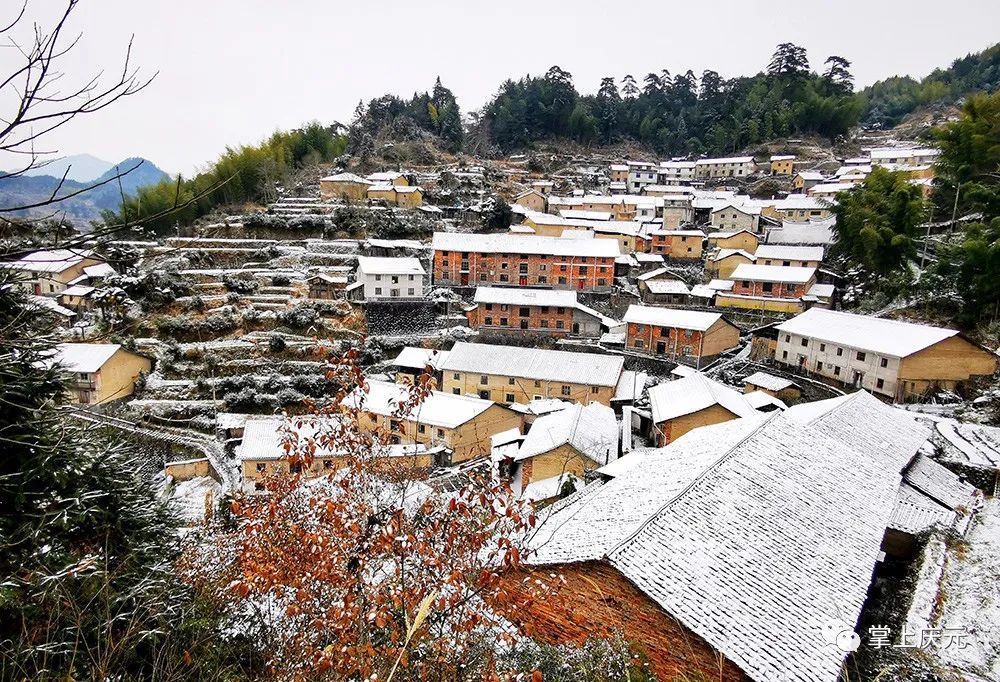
(863, 332)
(590, 429)
(692, 394)
(535, 363)
(526, 244)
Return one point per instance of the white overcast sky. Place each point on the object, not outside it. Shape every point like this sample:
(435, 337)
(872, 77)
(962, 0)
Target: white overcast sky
(233, 71)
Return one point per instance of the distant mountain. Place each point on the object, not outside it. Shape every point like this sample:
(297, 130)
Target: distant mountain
(83, 168)
(87, 206)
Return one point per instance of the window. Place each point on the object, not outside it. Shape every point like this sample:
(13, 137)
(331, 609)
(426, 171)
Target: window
(524, 312)
(378, 278)
(879, 383)
(488, 321)
(822, 347)
(440, 433)
(861, 356)
(524, 324)
(545, 309)
(564, 390)
(840, 352)
(483, 380)
(509, 397)
(601, 282)
(884, 362)
(456, 391)
(421, 428)
(784, 355)
(538, 384)
(544, 324)
(637, 343)
(504, 278)
(788, 337)
(395, 279)
(560, 310)
(819, 366)
(562, 280)
(503, 321)
(560, 324)
(836, 371)
(410, 291)
(327, 463)
(456, 376)
(543, 280)
(261, 467)
(805, 342)
(378, 291)
(489, 306)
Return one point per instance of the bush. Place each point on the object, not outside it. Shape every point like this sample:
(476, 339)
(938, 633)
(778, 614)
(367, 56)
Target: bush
(276, 344)
(240, 285)
(280, 280)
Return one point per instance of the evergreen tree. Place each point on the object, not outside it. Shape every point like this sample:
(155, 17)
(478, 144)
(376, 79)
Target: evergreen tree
(837, 77)
(87, 585)
(788, 62)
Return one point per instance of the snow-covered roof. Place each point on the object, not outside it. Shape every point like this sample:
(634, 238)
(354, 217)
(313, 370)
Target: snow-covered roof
(693, 394)
(51, 305)
(800, 202)
(648, 257)
(811, 175)
(671, 317)
(667, 286)
(702, 291)
(892, 153)
(730, 159)
(831, 187)
(862, 332)
(753, 534)
(779, 252)
(77, 290)
(384, 176)
(584, 215)
(748, 209)
(525, 296)
(783, 157)
(377, 265)
(812, 232)
(54, 260)
(760, 400)
(345, 177)
(772, 273)
(527, 244)
(721, 284)
(413, 357)
(591, 430)
(769, 381)
(726, 253)
(437, 409)
(535, 363)
(99, 270)
(726, 234)
(820, 291)
(85, 357)
(631, 385)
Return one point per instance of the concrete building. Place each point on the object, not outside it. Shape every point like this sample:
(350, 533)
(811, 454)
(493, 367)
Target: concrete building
(897, 360)
(736, 217)
(768, 287)
(731, 167)
(677, 244)
(391, 278)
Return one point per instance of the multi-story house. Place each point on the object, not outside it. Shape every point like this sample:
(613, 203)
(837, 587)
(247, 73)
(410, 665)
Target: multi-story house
(48, 273)
(734, 217)
(391, 278)
(511, 374)
(484, 259)
(517, 310)
(691, 335)
(677, 244)
(768, 287)
(731, 167)
(783, 164)
(896, 360)
(101, 372)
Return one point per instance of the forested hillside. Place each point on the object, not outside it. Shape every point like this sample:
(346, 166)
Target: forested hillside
(889, 100)
(679, 113)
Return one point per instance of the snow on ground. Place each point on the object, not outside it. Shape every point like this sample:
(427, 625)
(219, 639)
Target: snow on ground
(193, 497)
(971, 593)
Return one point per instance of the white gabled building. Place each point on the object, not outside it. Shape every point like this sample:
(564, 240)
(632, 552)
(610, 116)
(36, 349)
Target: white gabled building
(391, 278)
(904, 157)
(729, 167)
(894, 359)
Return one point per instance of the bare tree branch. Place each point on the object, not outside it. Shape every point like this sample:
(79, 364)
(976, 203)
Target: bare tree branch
(42, 102)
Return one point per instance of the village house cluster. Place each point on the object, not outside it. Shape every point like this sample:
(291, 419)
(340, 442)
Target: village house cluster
(654, 354)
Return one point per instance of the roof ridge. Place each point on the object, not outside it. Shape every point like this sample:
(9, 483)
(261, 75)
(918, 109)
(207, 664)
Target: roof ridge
(700, 477)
